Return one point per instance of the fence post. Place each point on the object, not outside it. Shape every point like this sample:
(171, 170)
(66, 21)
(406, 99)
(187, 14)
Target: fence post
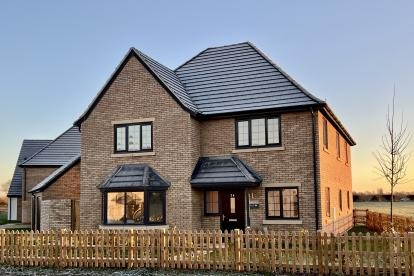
(237, 249)
(3, 245)
(161, 247)
(411, 250)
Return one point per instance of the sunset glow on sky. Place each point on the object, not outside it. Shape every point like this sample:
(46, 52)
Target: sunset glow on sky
(55, 56)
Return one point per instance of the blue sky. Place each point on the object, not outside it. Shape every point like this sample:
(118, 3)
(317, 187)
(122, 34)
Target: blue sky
(56, 55)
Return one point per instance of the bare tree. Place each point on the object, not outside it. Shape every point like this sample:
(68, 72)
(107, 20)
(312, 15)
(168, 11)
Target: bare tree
(392, 157)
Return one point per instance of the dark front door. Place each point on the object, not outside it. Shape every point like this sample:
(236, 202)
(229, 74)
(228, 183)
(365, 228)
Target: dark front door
(232, 210)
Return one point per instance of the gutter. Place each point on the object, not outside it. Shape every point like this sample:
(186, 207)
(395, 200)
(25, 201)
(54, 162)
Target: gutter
(315, 184)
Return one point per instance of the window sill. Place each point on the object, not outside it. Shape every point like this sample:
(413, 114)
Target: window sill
(129, 154)
(133, 227)
(325, 149)
(281, 221)
(258, 149)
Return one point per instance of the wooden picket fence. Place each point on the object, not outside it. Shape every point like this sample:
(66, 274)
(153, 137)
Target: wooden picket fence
(284, 252)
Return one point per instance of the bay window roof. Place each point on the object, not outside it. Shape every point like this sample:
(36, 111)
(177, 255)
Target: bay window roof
(134, 177)
(222, 172)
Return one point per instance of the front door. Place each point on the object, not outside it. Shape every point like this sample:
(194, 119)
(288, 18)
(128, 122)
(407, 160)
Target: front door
(232, 210)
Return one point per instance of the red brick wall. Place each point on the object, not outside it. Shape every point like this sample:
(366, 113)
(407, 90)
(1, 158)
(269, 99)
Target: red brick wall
(65, 187)
(335, 173)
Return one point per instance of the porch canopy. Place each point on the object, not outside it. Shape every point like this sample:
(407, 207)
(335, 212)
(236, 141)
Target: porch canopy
(133, 177)
(223, 172)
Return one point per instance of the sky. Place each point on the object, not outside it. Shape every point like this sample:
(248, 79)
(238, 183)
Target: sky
(56, 55)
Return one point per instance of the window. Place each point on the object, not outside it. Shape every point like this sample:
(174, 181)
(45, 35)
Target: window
(338, 145)
(258, 132)
(133, 137)
(340, 199)
(348, 200)
(328, 201)
(282, 203)
(211, 203)
(137, 207)
(346, 152)
(325, 133)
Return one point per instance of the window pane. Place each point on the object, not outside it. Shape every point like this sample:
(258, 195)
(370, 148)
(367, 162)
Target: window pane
(340, 200)
(338, 145)
(212, 203)
(328, 201)
(325, 133)
(133, 138)
(290, 203)
(243, 133)
(156, 207)
(273, 131)
(115, 208)
(120, 139)
(258, 132)
(146, 137)
(232, 204)
(134, 207)
(273, 203)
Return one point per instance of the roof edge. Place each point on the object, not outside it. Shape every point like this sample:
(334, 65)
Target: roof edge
(286, 75)
(333, 118)
(22, 164)
(132, 52)
(63, 169)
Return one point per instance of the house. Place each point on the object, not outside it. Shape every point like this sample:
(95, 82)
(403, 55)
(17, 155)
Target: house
(14, 194)
(50, 186)
(226, 140)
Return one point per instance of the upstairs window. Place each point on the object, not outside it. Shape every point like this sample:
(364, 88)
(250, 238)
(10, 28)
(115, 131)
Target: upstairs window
(325, 133)
(346, 153)
(133, 137)
(258, 132)
(338, 145)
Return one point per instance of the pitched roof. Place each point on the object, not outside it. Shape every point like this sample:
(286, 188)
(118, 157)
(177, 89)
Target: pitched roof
(29, 147)
(134, 176)
(223, 171)
(41, 186)
(59, 151)
(238, 78)
(225, 80)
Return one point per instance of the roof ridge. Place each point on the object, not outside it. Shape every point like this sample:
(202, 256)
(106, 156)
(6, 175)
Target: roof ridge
(208, 48)
(51, 142)
(286, 75)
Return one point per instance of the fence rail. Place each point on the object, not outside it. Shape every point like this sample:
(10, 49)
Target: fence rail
(286, 252)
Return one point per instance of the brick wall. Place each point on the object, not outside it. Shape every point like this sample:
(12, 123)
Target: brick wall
(293, 164)
(55, 214)
(335, 173)
(31, 177)
(135, 94)
(66, 187)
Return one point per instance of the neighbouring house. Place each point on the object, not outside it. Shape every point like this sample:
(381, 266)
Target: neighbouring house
(50, 186)
(227, 140)
(14, 194)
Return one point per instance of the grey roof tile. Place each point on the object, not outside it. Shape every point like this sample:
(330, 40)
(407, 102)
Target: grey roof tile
(29, 147)
(55, 175)
(59, 151)
(223, 171)
(237, 78)
(170, 79)
(134, 176)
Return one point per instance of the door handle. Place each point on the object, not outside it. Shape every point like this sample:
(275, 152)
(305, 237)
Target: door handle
(223, 217)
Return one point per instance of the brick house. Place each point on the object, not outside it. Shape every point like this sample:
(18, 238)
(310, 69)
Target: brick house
(14, 194)
(227, 140)
(50, 184)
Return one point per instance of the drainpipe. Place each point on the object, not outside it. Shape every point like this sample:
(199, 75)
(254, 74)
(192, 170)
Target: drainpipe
(315, 184)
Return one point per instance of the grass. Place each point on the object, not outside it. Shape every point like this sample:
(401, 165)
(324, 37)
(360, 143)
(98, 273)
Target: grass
(3, 218)
(359, 229)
